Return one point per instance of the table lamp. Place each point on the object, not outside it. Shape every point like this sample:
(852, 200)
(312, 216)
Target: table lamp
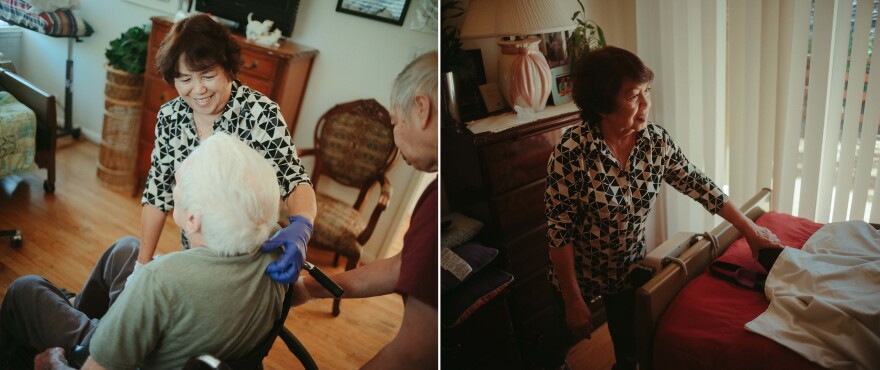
(523, 73)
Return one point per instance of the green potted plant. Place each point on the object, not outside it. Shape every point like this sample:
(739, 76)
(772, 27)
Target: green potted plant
(129, 51)
(126, 62)
(585, 37)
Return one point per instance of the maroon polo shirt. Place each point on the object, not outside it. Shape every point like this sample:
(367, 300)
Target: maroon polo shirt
(418, 265)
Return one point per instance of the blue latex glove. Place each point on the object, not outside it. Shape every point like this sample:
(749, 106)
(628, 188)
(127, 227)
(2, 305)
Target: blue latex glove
(294, 238)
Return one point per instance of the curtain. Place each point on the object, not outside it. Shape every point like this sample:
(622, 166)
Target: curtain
(683, 42)
(773, 93)
(826, 116)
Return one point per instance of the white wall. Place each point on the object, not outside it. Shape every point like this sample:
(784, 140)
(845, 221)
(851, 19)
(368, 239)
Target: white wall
(44, 59)
(358, 58)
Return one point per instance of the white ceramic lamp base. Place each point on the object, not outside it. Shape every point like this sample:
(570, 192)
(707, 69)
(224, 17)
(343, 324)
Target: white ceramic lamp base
(524, 74)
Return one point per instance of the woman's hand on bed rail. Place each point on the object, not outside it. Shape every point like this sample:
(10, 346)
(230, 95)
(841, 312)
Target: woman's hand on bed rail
(760, 237)
(578, 318)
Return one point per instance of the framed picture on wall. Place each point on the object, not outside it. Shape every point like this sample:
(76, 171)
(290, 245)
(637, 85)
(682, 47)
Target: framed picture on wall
(390, 11)
(562, 84)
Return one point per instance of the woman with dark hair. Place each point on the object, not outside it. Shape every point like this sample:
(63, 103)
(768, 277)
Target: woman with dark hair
(200, 59)
(603, 178)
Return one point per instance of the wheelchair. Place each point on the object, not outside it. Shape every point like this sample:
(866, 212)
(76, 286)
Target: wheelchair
(252, 360)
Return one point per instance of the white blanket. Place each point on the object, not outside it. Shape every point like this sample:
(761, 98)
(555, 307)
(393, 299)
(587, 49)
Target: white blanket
(825, 298)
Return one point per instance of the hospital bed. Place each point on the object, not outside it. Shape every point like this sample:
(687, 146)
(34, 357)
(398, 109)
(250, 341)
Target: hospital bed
(687, 319)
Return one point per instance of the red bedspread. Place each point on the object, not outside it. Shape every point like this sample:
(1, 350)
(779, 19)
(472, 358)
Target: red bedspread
(703, 328)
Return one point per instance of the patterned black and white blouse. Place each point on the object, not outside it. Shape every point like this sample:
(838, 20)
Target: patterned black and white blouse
(254, 118)
(601, 208)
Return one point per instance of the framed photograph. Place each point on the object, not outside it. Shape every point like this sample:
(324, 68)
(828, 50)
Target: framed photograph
(555, 48)
(562, 84)
(390, 11)
(470, 100)
(167, 6)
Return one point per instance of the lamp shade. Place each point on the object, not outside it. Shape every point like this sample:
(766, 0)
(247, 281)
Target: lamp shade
(530, 17)
(488, 18)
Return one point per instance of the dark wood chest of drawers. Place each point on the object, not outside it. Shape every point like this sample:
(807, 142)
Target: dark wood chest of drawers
(281, 73)
(499, 179)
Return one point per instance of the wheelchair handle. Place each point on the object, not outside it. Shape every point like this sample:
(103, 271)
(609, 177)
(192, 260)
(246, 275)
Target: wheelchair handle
(324, 280)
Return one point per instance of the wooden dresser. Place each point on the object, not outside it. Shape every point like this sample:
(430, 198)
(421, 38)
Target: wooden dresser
(499, 179)
(281, 73)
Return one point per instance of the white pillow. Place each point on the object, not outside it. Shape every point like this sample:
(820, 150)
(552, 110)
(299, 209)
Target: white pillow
(39, 6)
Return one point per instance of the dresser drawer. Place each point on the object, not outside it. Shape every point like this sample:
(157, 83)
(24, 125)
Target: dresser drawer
(511, 164)
(529, 253)
(530, 295)
(157, 92)
(520, 210)
(261, 66)
(263, 86)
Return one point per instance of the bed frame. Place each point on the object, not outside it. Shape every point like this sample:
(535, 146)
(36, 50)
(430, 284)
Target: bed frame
(43, 105)
(654, 297)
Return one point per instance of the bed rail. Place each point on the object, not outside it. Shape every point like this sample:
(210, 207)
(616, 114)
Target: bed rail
(654, 297)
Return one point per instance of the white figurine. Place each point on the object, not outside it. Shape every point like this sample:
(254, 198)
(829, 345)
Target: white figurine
(270, 39)
(258, 31)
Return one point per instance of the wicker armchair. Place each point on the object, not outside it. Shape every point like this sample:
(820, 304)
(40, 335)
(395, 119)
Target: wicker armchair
(354, 146)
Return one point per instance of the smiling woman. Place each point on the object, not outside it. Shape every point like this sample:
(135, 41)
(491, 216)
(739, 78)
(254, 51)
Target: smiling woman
(200, 59)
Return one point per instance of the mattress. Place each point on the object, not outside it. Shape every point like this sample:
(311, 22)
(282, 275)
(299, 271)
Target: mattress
(18, 126)
(703, 327)
(59, 23)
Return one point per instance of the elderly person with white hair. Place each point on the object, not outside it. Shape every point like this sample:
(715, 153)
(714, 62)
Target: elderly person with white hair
(214, 298)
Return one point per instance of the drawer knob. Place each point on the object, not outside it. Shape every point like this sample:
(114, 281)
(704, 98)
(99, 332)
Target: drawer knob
(254, 64)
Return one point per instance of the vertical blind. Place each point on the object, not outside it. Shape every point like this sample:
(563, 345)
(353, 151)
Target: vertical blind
(683, 42)
(826, 162)
(774, 93)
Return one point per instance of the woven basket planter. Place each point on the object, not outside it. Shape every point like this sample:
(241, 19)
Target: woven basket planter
(119, 136)
(123, 86)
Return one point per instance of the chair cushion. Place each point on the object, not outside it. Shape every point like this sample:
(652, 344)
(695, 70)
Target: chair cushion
(472, 257)
(337, 227)
(456, 229)
(463, 301)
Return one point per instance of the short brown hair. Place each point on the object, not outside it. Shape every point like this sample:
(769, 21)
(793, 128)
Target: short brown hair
(598, 77)
(203, 43)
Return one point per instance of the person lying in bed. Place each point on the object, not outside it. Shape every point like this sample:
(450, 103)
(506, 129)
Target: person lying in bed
(214, 298)
(603, 178)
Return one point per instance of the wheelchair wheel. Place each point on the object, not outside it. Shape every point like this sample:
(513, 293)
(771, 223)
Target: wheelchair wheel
(17, 240)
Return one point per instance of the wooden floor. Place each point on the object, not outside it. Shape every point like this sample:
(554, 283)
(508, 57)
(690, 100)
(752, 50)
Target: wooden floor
(66, 232)
(596, 353)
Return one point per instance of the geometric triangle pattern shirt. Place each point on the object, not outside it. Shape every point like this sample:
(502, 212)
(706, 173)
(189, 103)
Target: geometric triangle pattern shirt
(248, 115)
(601, 208)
